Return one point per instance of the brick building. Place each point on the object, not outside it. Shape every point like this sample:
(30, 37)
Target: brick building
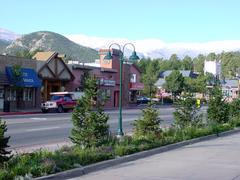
(108, 75)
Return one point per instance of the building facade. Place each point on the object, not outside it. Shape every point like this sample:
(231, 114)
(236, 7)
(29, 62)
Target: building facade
(213, 67)
(19, 84)
(54, 73)
(47, 72)
(108, 76)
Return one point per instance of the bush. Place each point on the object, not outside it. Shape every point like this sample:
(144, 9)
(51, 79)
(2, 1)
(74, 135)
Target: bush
(42, 162)
(218, 109)
(121, 150)
(187, 113)
(234, 108)
(148, 126)
(235, 121)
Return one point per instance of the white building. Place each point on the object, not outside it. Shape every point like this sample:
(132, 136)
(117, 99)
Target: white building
(94, 64)
(213, 67)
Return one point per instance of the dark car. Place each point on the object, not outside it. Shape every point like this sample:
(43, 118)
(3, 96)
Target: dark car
(142, 100)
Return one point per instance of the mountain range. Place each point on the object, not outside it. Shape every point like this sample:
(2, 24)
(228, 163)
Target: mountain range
(85, 48)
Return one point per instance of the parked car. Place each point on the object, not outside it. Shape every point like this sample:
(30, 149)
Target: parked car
(145, 100)
(61, 101)
(142, 100)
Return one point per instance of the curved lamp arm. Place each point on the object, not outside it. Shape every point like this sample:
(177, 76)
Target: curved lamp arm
(119, 47)
(132, 57)
(128, 44)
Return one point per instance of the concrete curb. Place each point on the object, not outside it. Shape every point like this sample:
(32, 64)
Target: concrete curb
(105, 164)
(18, 113)
(106, 109)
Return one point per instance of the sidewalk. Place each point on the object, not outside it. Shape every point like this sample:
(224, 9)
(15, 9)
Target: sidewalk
(22, 111)
(216, 159)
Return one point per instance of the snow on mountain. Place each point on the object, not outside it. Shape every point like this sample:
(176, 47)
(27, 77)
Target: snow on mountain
(155, 48)
(7, 35)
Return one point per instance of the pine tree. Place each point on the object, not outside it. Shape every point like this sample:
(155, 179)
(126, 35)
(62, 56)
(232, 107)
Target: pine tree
(148, 125)
(4, 154)
(90, 126)
(218, 109)
(186, 113)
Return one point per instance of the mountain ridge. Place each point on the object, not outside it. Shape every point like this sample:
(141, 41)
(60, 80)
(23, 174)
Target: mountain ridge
(85, 48)
(51, 41)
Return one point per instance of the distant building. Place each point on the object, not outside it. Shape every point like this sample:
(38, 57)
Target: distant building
(161, 80)
(213, 67)
(164, 74)
(230, 89)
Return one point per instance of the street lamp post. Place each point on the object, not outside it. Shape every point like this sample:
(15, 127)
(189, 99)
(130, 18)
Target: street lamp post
(133, 57)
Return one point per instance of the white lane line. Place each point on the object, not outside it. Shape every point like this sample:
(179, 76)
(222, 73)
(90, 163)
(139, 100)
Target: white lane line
(42, 119)
(42, 129)
(36, 120)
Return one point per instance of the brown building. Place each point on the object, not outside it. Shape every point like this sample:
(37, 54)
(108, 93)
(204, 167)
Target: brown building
(53, 71)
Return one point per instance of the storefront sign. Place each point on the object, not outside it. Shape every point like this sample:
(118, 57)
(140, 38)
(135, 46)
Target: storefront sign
(28, 78)
(107, 82)
(136, 86)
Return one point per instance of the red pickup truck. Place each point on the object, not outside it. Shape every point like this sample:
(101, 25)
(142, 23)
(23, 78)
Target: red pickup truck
(61, 101)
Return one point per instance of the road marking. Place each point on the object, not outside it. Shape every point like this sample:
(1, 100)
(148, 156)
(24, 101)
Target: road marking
(42, 129)
(42, 119)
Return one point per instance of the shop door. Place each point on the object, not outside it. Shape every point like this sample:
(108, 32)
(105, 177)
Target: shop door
(19, 98)
(52, 87)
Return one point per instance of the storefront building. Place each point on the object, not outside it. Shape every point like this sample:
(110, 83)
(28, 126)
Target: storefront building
(107, 74)
(3, 84)
(135, 86)
(23, 90)
(20, 91)
(131, 76)
(54, 73)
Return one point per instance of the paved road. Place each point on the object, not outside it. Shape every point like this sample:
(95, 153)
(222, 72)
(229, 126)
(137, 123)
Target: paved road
(216, 159)
(54, 128)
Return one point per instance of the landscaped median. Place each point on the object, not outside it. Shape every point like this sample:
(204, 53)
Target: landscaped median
(42, 163)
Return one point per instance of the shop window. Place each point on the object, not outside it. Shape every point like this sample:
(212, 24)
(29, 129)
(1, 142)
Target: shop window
(1, 93)
(27, 94)
(133, 78)
(12, 94)
(108, 93)
(105, 94)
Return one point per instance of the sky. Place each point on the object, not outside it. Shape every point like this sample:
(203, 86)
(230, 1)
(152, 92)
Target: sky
(159, 21)
(168, 20)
